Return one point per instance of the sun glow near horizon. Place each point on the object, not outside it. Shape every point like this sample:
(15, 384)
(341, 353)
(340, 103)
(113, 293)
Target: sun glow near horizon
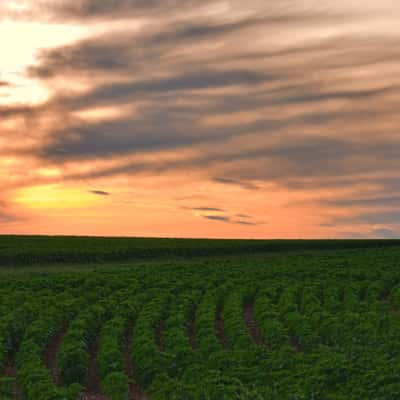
(55, 196)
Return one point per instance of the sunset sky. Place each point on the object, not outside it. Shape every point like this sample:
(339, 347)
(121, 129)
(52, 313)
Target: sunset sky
(200, 118)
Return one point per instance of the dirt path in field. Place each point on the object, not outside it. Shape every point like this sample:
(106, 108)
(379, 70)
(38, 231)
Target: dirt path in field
(10, 371)
(191, 332)
(135, 391)
(298, 347)
(50, 355)
(159, 333)
(248, 316)
(342, 296)
(219, 328)
(93, 389)
(392, 308)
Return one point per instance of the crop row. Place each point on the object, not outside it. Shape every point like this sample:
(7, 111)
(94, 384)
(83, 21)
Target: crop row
(190, 338)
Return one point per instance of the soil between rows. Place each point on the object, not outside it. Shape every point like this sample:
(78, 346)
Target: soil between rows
(248, 316)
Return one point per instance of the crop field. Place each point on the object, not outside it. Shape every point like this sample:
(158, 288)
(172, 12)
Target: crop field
(281, 321)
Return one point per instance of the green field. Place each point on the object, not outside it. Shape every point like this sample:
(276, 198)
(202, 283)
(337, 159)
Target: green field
(119, 319)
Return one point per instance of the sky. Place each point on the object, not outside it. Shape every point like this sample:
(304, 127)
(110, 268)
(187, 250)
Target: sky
(200, 118)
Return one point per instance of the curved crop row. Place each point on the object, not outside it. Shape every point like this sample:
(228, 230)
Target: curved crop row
(73, 357)
(236, 331)
(266, 315)
(147, 356)
(34, 378)
(330, 330)
(111, 363)
(14, 323)
(205, 323)
(176, 341)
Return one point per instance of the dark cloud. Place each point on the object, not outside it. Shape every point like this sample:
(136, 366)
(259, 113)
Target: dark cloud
(281, 12)
(13, 111)
(327, 225)
(100, 193)
(163, 126)
(230, 181)
(120, 53)
(217, 218)
(312, 163)
(380, 233)
(248, 223)
(382, 217)
(7, 218)
(186, 81)
(226, 98)
(381, 201)
(224, 218)
(230, 220)
(386, 233)
(91, 9)
(176, 104)
(379, 217)
(245, 216)
(335, 95)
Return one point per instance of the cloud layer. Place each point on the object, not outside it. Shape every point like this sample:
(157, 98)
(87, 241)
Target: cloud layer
(285, 98)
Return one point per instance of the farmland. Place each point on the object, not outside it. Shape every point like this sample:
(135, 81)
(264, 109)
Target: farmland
(119, 319)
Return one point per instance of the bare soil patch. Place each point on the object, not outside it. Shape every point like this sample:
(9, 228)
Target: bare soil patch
(50, 355)
(93, 389)
(191, 332)
(135, 391)
(298, 347)
(159, 334)
(219, 328)
(10, 371)
(248, 316)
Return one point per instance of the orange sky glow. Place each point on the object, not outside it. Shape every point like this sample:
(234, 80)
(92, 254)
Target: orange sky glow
(209, 118)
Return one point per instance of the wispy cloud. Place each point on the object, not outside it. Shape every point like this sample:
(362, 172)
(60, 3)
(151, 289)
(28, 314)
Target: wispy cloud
(217, 218)
(248, 223)
(7, 217)
(243, 184)
(386, 233)
(231, 220)
(100, 193)
(244, 216)
(93, 9)
(362, 202)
